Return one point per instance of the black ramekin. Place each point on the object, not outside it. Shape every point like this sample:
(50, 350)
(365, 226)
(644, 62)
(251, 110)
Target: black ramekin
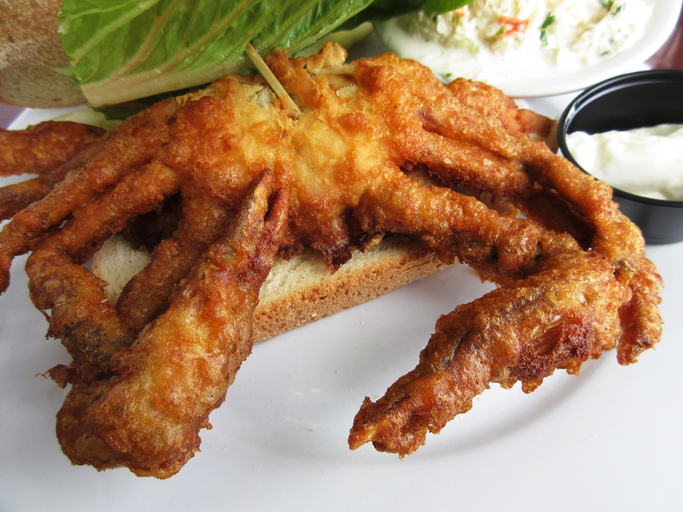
(634, 100)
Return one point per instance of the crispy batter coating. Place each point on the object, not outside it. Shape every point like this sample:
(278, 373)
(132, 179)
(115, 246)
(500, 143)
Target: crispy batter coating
(555, 319)
(490, 101)
(51, 169)
(146, 295)
(376, 146)
(44, 147)
(134, 145)
(168, 381)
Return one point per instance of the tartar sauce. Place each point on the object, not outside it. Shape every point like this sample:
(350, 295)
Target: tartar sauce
(645, 161)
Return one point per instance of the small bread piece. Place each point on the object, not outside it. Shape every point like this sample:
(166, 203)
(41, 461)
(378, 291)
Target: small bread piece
(301, 290)
(117, 262)
(30, 50)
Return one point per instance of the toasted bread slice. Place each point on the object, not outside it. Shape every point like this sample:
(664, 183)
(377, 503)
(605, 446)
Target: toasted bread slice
(301, 290)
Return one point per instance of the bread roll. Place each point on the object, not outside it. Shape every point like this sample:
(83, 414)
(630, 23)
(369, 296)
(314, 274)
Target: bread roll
(301, 290)
(30, 50)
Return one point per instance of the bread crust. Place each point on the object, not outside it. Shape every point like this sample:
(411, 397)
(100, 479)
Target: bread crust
(30, 52)
(314, 293)
(301, 290)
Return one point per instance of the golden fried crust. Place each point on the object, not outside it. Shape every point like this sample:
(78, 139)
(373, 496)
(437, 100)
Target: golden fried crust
(14, 198)
(45, 147)
(146, 295)
(137, 140)
(553, 320)
(491, 102)
(178, 371)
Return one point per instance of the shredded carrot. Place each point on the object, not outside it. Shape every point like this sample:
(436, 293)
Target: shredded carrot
(516, 25)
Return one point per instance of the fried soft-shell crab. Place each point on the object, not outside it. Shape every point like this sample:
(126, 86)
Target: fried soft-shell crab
(375, 146)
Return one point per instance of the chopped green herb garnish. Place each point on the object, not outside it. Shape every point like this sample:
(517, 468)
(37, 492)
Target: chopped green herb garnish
(549, 20)
(609, 5)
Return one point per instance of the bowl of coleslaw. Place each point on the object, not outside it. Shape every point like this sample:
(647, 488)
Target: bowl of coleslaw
(531, 48)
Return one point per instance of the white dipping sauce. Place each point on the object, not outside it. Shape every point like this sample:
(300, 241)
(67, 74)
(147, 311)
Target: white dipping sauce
(644, 161)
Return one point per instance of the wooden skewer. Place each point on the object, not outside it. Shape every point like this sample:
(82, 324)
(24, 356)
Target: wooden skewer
(271, 78)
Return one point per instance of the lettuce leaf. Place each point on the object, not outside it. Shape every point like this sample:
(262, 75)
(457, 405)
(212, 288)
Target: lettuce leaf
(125, 50)
(443, 6)
(122, 50)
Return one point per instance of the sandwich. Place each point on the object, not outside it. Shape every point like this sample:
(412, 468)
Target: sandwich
(332, 155)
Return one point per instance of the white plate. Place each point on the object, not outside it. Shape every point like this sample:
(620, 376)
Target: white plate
(608, 440)
(530, 82)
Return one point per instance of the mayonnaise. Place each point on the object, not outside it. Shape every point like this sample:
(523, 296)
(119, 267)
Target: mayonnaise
(645, 161)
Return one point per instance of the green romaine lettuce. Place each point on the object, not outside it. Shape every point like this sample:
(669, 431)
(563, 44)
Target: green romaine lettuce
(443, 6)
(124, 50)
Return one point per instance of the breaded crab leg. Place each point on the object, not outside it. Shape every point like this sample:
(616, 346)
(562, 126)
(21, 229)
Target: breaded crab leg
(492, 102)
(16, 197)
(148, 415)
(136, 142)
(44, 147)
(55, 273)
(554, 319)
(559, 304)
(146, 294)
